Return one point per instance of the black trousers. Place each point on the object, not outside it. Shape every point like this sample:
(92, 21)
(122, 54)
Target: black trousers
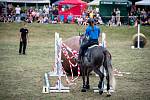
(23, 45)
(85, 46)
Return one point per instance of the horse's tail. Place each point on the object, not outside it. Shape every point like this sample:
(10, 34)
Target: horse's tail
(110, 71)
(112, 80)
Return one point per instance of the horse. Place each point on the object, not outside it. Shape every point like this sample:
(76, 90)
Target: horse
(94, 58)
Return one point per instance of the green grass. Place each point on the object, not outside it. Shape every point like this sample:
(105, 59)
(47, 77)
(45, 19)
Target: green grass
(21, 76)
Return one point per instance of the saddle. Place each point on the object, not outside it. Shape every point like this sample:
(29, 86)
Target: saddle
(88, 54)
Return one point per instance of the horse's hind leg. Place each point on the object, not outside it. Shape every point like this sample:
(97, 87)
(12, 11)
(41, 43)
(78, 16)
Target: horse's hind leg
(108, 81)
(101, 75)
(83, 79)
(87, 82)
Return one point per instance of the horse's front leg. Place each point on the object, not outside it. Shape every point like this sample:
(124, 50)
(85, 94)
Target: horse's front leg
(83, 79)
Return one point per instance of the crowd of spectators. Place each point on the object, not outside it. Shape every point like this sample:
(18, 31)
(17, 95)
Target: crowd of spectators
(139, 15)
(17, 14)
(49, 14)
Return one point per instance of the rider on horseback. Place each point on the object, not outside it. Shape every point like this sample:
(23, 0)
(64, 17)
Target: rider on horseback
(93, 33)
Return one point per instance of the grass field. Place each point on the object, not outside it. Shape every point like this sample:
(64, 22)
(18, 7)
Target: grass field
(21, 75)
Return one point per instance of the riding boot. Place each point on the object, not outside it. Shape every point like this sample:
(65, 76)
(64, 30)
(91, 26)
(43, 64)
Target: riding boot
(80, 55)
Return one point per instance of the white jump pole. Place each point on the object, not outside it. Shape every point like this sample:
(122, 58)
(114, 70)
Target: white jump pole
(138, 42)
(58, 67)
(104, 40)
(57, 73)
(46, 86)
(104, 46)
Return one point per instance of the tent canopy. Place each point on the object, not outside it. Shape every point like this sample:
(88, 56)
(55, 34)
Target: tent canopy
(95, 2)
(115, 0)
(72, 2)
(26, 1)
(143, 2)
(73, 7)
(57, 2)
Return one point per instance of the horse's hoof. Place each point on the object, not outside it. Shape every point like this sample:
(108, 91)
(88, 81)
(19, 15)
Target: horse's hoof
(87, 86)
(108, 94)
(83, 90)
(100, 92)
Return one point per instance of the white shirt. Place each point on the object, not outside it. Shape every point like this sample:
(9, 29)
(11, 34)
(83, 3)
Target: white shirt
(118, 13)
(47, 10)
(18, 9)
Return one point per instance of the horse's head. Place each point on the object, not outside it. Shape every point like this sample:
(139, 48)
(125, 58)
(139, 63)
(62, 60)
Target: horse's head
(83, 39)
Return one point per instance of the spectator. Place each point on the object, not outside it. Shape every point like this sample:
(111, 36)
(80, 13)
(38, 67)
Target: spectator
(46, 10)
(99, 19)
(18, 10)
(143, 16)
(30, 19)
(118, 17)
(132, 19)
(40, 19)
(80, 20)
(61, 18)
(46, 20)
(91, 14)
(113, 18)
(55, 12)
(138, 14)
(69, 18)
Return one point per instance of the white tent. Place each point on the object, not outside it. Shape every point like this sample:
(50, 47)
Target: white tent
(95, 2)
(143, 2)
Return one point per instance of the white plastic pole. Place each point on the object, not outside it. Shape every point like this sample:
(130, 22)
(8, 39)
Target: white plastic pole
(56, 52)
(104, 40)
(138, 42)
(59, 64)
(104, 46)
(46, 80)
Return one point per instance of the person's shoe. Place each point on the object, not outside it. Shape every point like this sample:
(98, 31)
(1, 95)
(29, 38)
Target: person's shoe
(19, 53)
(24, 53)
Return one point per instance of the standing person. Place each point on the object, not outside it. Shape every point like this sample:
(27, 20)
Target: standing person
(138, 13)
(18, 10)
(118, 17)
(93, 33)
(113, 17)
(23, 36)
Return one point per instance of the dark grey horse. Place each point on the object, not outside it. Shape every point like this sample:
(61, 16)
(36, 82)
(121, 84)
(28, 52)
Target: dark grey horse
(93, 59)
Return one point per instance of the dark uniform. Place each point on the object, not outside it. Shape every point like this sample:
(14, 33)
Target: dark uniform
(23, 40)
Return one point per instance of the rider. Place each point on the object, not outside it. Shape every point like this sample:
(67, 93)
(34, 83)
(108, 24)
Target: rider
(93, 33)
